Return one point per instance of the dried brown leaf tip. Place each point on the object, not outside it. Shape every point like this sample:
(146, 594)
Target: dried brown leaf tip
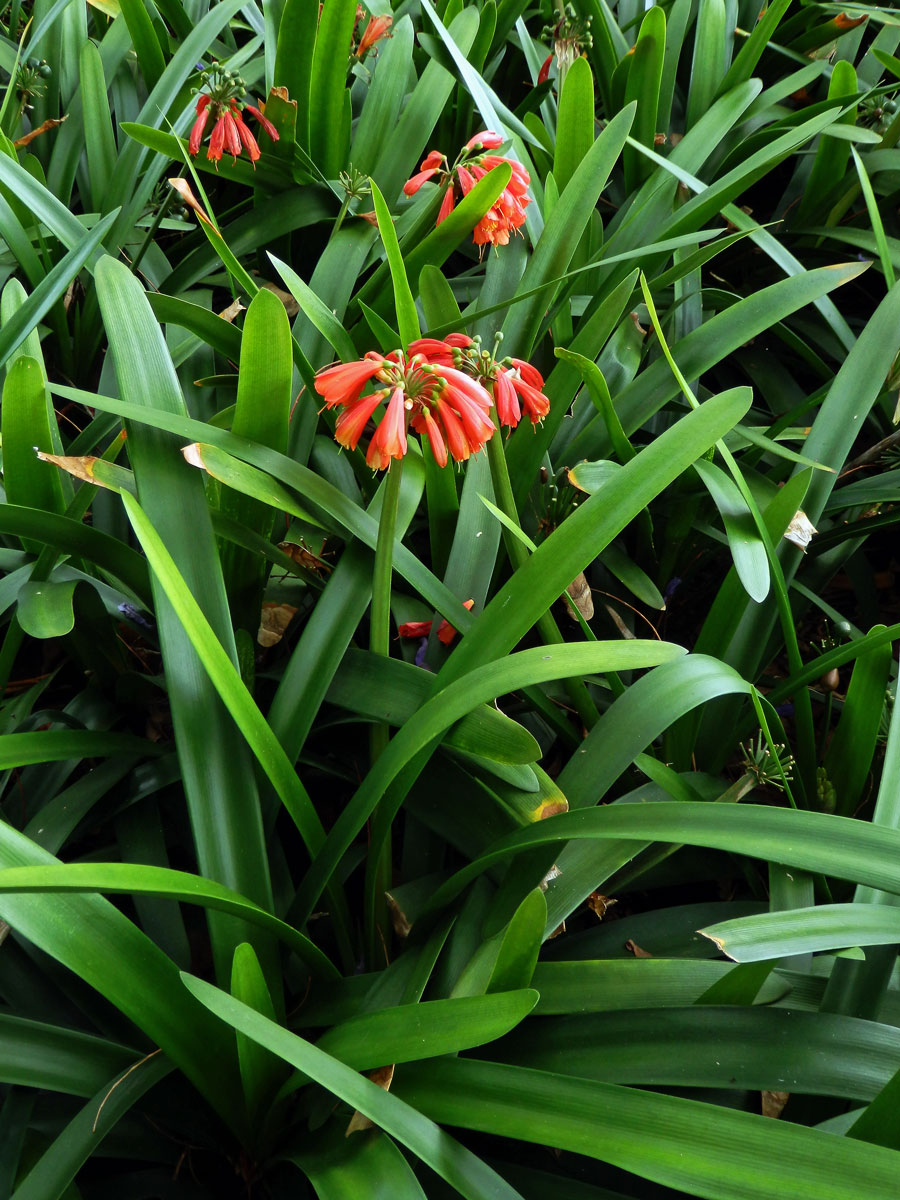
(80, 466)
(91, 469)
(234, 309)
(773, 1103)
(273, 622)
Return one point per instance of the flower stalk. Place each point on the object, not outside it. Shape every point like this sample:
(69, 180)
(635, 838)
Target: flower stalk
(380, 643)
(517, 553)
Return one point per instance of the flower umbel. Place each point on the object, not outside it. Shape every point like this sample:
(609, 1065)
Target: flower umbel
(223, 103)
(472, 163)
(429, 395)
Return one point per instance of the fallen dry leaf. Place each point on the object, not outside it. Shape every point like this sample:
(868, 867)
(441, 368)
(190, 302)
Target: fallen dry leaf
(773, 1103)
(801, 530)
(273, 621)
(383, 1076)
(234, 309)
(44, 127)
(599, 904)
(291, 307)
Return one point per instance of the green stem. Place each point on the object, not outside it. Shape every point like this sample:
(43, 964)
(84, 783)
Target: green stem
(339, 219)
(377, 926)
(518, 556)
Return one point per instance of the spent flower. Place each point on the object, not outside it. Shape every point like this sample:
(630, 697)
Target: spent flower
(376, 29)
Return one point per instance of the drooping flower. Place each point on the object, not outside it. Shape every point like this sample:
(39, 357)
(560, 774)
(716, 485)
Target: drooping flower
(223, 103)
(506, 215)
(341, 385)
(377, 28)
(389, 440)
(429, 166)
(427, 394)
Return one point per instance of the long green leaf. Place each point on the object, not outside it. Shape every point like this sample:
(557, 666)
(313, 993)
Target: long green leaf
(128, 969)
(451, 1161)
(219, 782)
(139, 880)
(697, 1148)
(806, 930)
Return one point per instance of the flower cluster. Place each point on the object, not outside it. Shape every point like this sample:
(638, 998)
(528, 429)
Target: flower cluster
(445, 390)
(223, 104)
(473, 163)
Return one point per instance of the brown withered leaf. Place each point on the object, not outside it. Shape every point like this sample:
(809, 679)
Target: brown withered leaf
(801, 530)
(599, 904)
(234, 309)
(578, 595)
(274, 620)
(560, 929)
(633, 948)
(773, 1103)
(291, 307)
(399, 919)
(383, 1076)
(44, 127)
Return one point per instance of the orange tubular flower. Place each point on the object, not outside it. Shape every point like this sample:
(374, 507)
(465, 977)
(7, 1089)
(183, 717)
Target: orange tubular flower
(199, 126)
(341, 385)
(376, 29)
(429, 166)
(515, 384)
(353, 420)
(224, 105)
(390, 436)
(472, 164)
